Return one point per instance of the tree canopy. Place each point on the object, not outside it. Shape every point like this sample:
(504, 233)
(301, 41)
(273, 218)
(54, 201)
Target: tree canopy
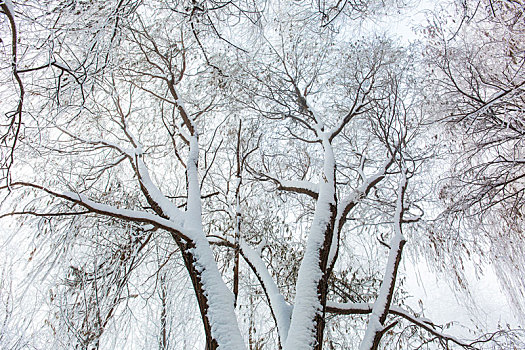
(247, 174)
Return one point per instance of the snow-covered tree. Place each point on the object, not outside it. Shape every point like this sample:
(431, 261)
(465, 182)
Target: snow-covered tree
(478, 65)
(255, 153)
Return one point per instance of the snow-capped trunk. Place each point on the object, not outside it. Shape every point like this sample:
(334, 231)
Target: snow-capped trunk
(216, 302)
(307, 324)
(196, 281)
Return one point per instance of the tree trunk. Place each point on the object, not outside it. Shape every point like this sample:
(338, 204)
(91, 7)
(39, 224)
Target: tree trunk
(322, 288)
(185, 247)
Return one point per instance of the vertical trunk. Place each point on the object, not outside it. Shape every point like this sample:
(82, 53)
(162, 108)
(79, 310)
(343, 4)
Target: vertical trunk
(308, 317)
(376, 324)
(214, 298)
(236, 273)
(202, 300)
(194, 212)
(322, 288)
(251, 329)
(237, 216)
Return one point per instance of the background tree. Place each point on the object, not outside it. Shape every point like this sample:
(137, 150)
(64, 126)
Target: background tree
(478, 65)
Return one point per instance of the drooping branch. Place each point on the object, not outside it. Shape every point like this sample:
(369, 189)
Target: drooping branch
(44, 215)
(107, 210)
(15, 123)
(366, 308)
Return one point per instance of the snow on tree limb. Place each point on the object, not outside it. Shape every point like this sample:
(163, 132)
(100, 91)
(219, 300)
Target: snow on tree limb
(366, 308)
(307, 314)
(376, 324)
(304, 187)
(120, 213)
(280, 309)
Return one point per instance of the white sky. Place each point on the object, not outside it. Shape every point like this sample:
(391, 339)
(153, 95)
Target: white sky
(488, 307)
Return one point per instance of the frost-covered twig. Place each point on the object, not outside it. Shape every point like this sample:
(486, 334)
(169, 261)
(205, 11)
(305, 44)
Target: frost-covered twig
(15, 124)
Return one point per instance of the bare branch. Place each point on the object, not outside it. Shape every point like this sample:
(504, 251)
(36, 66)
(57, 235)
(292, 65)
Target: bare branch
(15, 124)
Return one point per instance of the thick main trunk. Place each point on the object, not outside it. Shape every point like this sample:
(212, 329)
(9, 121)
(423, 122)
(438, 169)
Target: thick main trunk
(202, 301)
(189, 260)
(322, 288)
(308, 316)
(308, 332)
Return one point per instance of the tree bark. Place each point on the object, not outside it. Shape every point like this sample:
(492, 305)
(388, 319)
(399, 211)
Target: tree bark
(185, 248)
(322, 288)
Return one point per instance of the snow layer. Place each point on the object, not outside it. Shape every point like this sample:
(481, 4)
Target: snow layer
(221, 311)
(307, 305)
(10, 7)
(221, 314)
(281, 309)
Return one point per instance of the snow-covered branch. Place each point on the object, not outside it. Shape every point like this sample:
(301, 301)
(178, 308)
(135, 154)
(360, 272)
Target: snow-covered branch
(108, 210)
(366, 308)
(347, 204)
(376, 324)
(342, 122)
(304, 187)
(307, 323)
(281, 310)
(218, 299)
(296, 186)
(185, 115)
